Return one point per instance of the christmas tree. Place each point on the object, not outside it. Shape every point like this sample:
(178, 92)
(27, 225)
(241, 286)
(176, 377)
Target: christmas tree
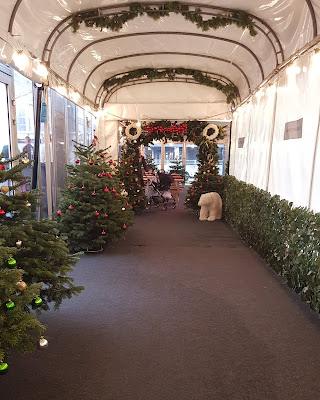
(34, 262)
(131, 175)
(93, 211)
(177, 168)
(150, 164)
(207, 179)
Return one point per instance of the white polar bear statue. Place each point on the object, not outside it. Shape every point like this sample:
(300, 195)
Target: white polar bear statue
(211, 206)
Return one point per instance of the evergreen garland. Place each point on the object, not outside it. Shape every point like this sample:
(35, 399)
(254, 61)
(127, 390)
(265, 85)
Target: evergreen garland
(230, 90)
(115, 22)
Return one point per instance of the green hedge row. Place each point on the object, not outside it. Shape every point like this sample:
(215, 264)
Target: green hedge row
(287, 238)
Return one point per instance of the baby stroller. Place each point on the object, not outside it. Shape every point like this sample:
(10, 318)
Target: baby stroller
(158, 190)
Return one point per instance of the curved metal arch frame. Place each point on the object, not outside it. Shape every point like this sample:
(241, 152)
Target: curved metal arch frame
(146, 34)
(266, 34)
(146, 81)
(162, 33)
(175, 53)
(218, 77)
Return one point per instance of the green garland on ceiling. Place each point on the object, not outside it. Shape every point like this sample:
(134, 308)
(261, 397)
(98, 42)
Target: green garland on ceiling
(115, 22)
(230, 90)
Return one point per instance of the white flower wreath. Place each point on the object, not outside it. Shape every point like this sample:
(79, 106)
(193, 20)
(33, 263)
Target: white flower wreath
(128, 134)
(214, 134)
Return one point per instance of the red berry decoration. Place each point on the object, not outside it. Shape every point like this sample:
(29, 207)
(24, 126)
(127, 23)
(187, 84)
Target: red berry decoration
(94, 194)
(124, 226)
(96, 213)
(70, 207)
(106, 190)
(103, 233)
(90, 162)
(77, 161)
(59, 212)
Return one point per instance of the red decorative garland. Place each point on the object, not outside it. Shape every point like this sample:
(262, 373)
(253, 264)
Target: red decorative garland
(174, 129)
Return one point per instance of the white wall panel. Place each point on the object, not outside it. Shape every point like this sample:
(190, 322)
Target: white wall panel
(291, 162)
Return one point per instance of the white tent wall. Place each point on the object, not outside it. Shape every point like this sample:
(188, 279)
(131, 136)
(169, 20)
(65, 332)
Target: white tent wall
(108, 137)
(263, 122)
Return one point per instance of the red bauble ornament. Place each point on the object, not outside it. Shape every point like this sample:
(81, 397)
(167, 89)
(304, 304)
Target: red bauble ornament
(101, 155)
(131, 171)
(219, 181)
(103, 173)
(2, 213)
(192, 187)
(132, 159)
(200, 187)
(106, 190)
(110, 161)
(127, 173)
(199, 167)
(96, 213)
(106, 215)
(70, 207)
(2, 167)
(124, 226)
(99, 175)
(59, 212)
(77, 161)
(191, 194)
(90, 162)
(115, 164)
(94, 194)
(138, 201)
(69, 187)
(134, 202)
(82, 187)
(103, 233)
(116, 194)
(121, 162)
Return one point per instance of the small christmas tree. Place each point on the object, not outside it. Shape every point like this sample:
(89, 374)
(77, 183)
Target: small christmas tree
(177, 168)
(37, 275)
(207, 179)
(93, 211)
(151, 166)
(131, 175)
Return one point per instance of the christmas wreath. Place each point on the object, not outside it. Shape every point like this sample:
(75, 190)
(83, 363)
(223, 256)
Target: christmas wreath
(137, 129)
(213, 135)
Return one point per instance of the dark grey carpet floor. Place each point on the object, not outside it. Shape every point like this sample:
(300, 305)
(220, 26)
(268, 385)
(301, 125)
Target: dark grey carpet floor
(180, 310)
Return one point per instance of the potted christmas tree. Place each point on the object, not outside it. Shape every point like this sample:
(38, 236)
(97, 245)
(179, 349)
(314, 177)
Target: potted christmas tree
(93, 211)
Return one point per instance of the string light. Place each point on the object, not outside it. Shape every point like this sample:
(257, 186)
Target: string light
(20, 60)
(40, 69)
(62, 90)
(75, 96)
(138, 124)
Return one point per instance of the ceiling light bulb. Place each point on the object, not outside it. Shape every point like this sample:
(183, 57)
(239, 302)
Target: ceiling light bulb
(20, 60)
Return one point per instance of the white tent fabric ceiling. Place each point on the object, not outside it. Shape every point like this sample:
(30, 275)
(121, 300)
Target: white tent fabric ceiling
(87, 58)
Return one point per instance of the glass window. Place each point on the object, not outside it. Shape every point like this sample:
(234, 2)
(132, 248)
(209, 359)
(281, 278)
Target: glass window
(222, 156)
(58, 117)
(4, 123)
(80, 122)
(72, 130)
(191, 161)
(154, 151)
(172, 153)
(23, 88)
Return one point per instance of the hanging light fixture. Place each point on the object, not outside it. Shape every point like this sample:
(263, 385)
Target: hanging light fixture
(40, 69)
